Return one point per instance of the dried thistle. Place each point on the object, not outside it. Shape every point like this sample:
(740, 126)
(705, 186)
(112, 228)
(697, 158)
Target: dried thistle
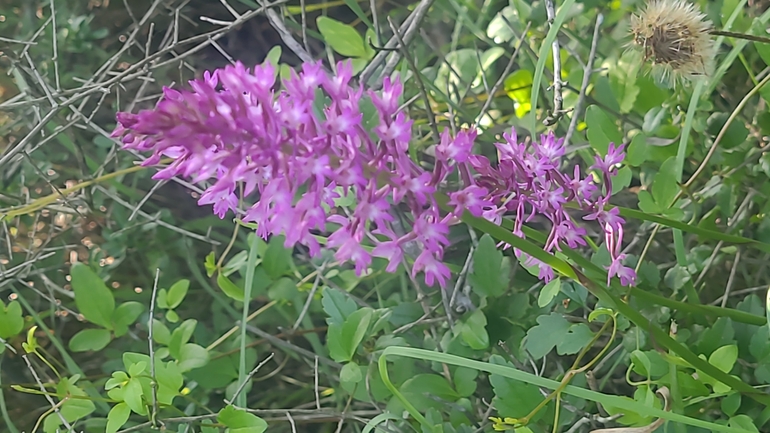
(677, 37)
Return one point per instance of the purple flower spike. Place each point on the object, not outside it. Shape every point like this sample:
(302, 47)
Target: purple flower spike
(298, 150)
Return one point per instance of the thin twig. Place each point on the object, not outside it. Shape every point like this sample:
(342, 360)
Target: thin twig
(587, 71)
(308, 302)
(315, 384)
(407, 31)
(248, 378)
(154, 380)
(501, 80)
(418, 79)
(723, 132)
(731, 278)
(39, 383)
(558, 99)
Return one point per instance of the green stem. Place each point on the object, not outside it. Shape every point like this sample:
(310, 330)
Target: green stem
(620, 403)
(250, 268)
(3, 409)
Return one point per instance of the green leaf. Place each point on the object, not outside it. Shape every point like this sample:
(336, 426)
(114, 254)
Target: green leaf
(474, 331)
(578, 336)
(169, 375)
(343, 38)
(92, 297)
(735, 134)
(75, 408)
(767, 307)
(117, 417)
(465, 381)
(240, 421)
(428, 390)
(665, 186)
(724, 358)
(623, 79)
(513, 398)
(337, 305)
(118, 379)
(180, 336)
(172, 316)
(277, 259)
(229, 288)
(518, 87)
(337, 350)
(354, 330)
(549, 332)
(132, 395)
(11, 320)
(161, 299)
(490, 272)
(137, 368)
(731, 404)
(192, 356)
(350, 373)
(459, 69)
(548, 292)
(176, 293)
(677, 277)
(284, 289)
(160, 332)
(274, 56)
(744, 422)
(602, 130)
(647, 203)
(210, 264)
(622, 180)
(90, 339)
(125, 315)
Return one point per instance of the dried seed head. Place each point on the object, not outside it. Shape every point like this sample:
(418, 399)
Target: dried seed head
(674, 34)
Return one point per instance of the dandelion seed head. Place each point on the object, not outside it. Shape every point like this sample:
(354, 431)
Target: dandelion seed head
(674, 35)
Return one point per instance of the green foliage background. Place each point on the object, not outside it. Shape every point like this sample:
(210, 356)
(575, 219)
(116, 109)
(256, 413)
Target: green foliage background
(91, 245)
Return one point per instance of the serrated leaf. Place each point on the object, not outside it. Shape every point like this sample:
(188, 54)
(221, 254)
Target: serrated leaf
(677, 277)
(488, 277)
(474, 331)
(512, 397)
(647, 203)
(543, 337)
(90, 339)
(92, 297)
(337, 306)
(578, 336)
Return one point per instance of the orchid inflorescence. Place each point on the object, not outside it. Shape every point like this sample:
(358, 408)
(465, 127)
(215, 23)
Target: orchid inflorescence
(319, 166)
